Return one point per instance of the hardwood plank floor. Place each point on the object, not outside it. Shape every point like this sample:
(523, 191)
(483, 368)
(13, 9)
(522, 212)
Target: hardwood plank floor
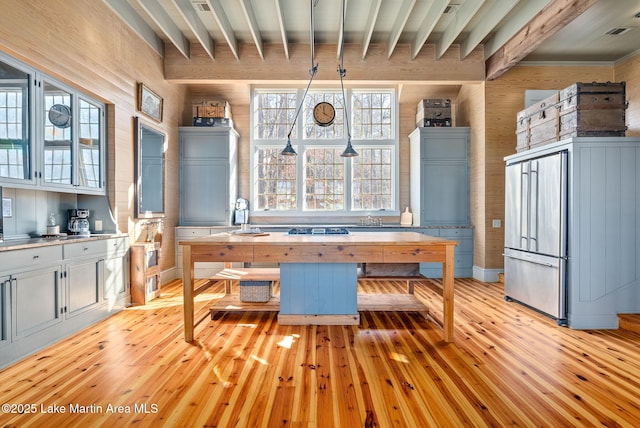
(508, 366)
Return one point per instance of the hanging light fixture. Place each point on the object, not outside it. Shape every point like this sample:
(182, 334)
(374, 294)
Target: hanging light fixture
(349, 151)
(288, 149)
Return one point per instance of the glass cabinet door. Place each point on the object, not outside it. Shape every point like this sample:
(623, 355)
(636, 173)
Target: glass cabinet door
(89, 145)
(57, 162)
(15, 140)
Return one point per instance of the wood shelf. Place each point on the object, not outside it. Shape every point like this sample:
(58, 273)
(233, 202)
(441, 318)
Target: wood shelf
(366, 302)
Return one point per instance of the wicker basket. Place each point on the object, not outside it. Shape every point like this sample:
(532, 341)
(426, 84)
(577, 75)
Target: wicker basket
(255, 291)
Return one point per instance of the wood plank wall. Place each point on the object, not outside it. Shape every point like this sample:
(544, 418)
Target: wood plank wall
(629, 71)
(84, 44)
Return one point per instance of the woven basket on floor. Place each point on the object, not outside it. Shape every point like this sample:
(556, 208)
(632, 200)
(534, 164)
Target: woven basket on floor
(255, 291)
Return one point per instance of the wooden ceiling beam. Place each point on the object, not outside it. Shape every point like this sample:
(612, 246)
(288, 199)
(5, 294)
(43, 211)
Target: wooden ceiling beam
(401, 20)
(428, 24)
(283, 29)
(462, 17)
(195, 24)
(225, 27)
(252, 22)
(166, 25)
(491, 18)
(551, 19)
(374, 10)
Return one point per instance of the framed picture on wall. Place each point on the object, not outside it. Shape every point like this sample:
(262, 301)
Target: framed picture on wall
(149, 102)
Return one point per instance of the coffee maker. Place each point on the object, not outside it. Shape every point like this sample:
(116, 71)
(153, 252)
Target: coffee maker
(78, 222)
(242, 211)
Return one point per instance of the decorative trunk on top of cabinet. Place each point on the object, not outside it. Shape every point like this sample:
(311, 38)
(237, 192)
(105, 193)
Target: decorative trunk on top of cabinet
(208, 175)
(439, 176)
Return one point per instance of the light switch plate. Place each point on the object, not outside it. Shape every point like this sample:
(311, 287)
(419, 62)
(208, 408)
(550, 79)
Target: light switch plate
(98, 225)
(496, 223)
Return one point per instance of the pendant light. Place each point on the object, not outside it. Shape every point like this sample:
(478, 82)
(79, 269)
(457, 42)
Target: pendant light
(288, 149)
(349, 151)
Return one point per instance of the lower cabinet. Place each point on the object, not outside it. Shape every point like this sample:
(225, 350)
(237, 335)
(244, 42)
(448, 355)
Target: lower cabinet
(463, 254)
(35, 301)
(49, 293)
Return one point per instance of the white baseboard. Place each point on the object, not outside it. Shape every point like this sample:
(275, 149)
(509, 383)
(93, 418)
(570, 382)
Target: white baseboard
(486, 275)
(168, 275)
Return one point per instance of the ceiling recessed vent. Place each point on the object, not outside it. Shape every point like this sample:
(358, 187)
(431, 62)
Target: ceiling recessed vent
(201, 6)
(452, 8)
(617, 31)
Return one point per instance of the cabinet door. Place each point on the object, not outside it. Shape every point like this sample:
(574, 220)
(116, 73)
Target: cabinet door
(4, 310)
(204, 193)
(83, 286)
(445, 193)
(35, 301)
(116, 279)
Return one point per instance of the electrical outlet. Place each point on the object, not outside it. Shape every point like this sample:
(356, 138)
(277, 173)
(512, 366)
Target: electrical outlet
(98, 226)
(496, 223)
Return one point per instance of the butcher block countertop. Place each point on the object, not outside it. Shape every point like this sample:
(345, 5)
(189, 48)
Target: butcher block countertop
(372, 247)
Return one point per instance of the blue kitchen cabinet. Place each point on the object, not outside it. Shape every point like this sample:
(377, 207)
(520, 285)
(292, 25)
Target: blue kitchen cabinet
(208, 175)
(318, 288)
(439, 176)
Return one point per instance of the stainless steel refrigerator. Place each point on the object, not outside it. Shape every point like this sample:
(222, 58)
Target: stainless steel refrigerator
(536, 234)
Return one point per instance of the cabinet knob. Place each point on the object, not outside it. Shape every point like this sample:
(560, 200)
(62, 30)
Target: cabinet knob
(36, 257)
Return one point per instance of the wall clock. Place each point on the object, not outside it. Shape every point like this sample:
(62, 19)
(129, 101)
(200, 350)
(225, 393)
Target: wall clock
(60, 115)
(324, 113)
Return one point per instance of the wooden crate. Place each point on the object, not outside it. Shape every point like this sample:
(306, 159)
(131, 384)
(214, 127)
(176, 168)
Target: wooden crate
(580, 110)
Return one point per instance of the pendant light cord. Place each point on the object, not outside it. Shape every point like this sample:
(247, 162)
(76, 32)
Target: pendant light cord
(342, 72)
(312, 71)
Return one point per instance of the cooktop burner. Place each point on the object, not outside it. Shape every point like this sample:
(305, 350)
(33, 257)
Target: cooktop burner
(318, 231)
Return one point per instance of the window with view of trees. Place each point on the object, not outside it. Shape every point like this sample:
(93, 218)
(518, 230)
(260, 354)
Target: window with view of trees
(318, 179)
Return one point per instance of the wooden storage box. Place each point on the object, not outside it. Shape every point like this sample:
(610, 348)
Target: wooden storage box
(593, 110)
(255, 291)
(211, 108)
(537, 123)
(580, 110)
(434, 112)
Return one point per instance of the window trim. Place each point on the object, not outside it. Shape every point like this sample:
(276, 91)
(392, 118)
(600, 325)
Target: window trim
(299, 143)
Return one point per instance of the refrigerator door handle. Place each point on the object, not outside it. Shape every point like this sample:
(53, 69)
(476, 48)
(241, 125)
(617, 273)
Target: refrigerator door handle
(524, 203)
(537, 262)
(534, 185)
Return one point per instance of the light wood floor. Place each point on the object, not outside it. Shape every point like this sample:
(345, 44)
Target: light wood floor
(508, 366)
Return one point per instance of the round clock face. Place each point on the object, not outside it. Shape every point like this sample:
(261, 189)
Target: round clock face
(324, 113)
(60, 115)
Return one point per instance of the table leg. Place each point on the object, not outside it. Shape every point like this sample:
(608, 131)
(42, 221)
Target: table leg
(187, 292)
(447, 293)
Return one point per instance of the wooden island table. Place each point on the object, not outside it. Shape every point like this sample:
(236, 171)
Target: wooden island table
(337, 254)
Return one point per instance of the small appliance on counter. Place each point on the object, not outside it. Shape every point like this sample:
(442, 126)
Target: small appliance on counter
(78, 222)
(242, 211)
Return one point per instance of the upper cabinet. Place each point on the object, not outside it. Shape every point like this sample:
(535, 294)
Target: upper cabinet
(439, 176)
(51, 135)
(208, 175)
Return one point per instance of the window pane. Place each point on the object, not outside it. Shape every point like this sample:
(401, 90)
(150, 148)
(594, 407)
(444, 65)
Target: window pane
(274, 114)
(372, 181)
(311, 130)
(57, 135)
(14, 123)
(324, 179)
(371, 115)
(276, 182)
(89, 133)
